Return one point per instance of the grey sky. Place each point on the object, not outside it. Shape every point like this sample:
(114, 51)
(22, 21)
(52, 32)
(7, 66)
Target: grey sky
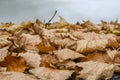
(72, 10)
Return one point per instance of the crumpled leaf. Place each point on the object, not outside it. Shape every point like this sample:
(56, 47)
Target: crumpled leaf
(15, 76)
(95, 70)
(37, 29)
(63, 22)
(15, 28)
(93, 35)
(3, 53)
(100, 57)
(65, 54)
(111, 38)
(44, 73)
(91, 45)
(117, 32)
(29, 41)
(43, 48)
(117, 58)
(5, 25)
(112, 54)
(54, 34)
(64, 43)
(3, 41)
(31, 58)
(14, 63)
(48, 60)
(68, 64)
(60, 46)
(90, 26)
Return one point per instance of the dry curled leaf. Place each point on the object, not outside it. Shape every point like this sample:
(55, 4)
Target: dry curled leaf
(63, 23)
(29, 41)
(64, 43)
(44, 73)
(59, 50)
(3, 41)
(48, 60)
(31, 58)
(3, 53)
(15, 76)
(100, 57)
(91, 45)
(65, 54)
(68, 64)
(90, 26)
(93, 35)
(95, 70)
(43, 48)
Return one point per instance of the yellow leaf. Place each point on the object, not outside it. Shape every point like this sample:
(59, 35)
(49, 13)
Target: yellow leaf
(14, 63)
(43, 48)
(63, 22)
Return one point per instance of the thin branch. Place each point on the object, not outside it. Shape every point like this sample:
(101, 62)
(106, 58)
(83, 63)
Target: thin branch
(52, 17)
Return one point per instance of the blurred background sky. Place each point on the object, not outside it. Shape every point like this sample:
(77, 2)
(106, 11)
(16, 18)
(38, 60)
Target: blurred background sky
(72, 10)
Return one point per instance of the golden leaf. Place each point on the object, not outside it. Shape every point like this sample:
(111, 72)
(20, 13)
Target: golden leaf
(14, 63)
(43, 48)
(100, 57)
(63, 22)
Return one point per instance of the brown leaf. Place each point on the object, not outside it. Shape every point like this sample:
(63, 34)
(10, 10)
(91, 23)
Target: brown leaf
(37, 29)
(68, 64)
(91, 45)
(117, 58)
(29, 41)
(3, 41)
(15, 76)
(43, 48)
(65, 54)
(14, 63)
(64, 43)
(44, 73)
(63, 22)
(100, 57)
(32, 58)
(3, 53)
(48, 60)
(95, 70)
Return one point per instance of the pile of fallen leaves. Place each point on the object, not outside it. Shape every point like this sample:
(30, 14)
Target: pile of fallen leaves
(59, 50)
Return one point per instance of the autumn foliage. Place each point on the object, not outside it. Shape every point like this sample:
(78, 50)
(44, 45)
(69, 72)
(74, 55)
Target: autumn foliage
(59, 50)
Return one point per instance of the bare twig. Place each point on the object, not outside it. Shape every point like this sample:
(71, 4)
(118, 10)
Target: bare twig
(52, 17)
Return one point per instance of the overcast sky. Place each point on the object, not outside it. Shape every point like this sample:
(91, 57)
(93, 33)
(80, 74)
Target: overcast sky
(72, 10)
